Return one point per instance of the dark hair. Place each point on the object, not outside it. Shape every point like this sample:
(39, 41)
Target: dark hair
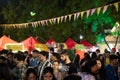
(93, 55)
(77, 61)
(65, 51)
(2, 58)
(56, 55)
(72, 77)
(112, 57)
(50, 70)
(5, 72)
(31, 70)
(44, 53)
(88, 65)
(35, 51)
(18, 56)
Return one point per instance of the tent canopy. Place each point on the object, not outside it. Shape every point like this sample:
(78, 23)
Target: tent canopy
(50, 41)
(86, 43)
(5, 40)
(70, 43)
(30, 43)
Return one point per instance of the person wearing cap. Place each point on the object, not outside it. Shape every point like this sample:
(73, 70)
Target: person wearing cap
(111, 69)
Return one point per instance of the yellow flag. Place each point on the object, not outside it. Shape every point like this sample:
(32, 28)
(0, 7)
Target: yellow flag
(70, 17)
(82, 13)
(98, 10)
(50, 20)
(58, 20)
(116, 6)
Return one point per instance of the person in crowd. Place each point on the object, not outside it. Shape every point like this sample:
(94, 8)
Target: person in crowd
(107, 58)
(89, 70)
(111, 69)
(101, 74)
(10, 62)
(48, 74)
(72, 77)
(68, 65)
(101, 57)
(31, 74)
(98, 52)
(4, 53)
(86, 58)
(77, 62)
(5, 73)
(93, 55)
(58, 74)
(2, 59)
(20, 68)
(44, 63)
(35, 59)
(55, 56)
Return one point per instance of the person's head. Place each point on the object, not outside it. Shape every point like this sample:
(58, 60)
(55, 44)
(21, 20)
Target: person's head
(43, 55)
(2, 59)
(17, 57)
(107, 54)
(55, 56)
(101, 57)
(55, 65)
(72, 77)
(90, 67)
(10, 56)
(93, 55)
(99, 63)
(64, 55)
(87, 56)
(97, 50)
(5, 72)
(35, 53)
(114, 60)
(48, 74)
(31, 74)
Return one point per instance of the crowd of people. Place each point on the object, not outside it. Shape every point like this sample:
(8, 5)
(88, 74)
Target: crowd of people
(42, 65)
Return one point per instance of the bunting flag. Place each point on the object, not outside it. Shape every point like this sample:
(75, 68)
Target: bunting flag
(65, 17)
(58, 20)
(50, 20)
(92, 11)
(75, 15)
(82, 13)
(105, 8)
(88, 12)
(98, 10)
(116, 6)
(70, 17)
(62, 18)
(78, 14)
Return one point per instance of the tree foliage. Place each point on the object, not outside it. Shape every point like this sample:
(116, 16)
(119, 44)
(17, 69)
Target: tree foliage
(18, 11)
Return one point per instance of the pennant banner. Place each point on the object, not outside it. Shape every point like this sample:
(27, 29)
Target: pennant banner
(105, 9)
(62, 18)
(116, 6)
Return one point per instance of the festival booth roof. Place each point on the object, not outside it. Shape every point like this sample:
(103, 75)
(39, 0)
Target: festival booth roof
(5, 40)
(70, 43)
(50, 42)
(30, 43)
(86, 43)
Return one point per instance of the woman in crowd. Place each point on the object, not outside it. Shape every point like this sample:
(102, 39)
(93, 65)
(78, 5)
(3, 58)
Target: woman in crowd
(31, 74)
(48, 74)
(58, 74)
(89, 70)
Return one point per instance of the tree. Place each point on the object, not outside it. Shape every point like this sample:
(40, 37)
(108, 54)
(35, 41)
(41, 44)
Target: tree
(90, 27)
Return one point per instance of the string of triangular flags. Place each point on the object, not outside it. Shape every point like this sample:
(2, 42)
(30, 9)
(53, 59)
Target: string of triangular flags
(60, 19)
